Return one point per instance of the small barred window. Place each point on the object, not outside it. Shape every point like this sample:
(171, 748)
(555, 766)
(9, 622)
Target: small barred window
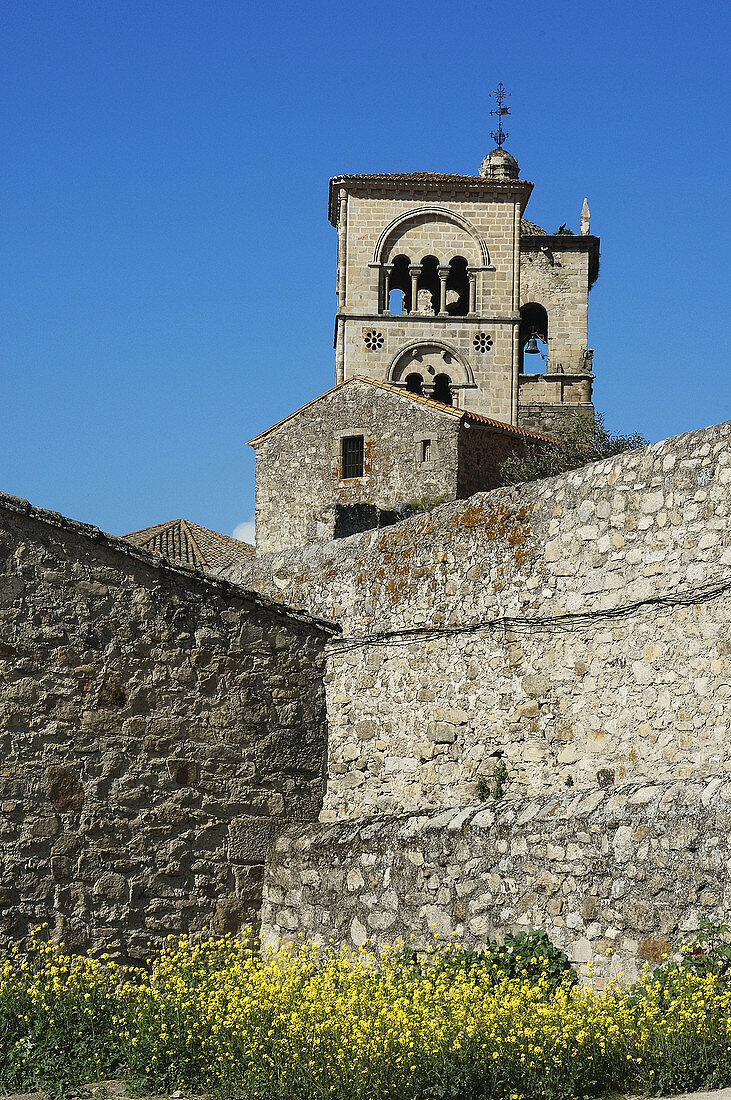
(482, 342)
(352, 456)
(373, 339)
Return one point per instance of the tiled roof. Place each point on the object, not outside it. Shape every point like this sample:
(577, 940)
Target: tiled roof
(464, 415)
(412, 177)
(181, 540)
(530, 229)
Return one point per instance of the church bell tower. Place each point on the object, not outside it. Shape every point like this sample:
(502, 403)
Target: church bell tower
(444, 288)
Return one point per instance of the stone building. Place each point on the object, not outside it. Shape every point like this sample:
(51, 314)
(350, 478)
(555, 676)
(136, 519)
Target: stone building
(442, 286)
(366, 453)
(170, 736)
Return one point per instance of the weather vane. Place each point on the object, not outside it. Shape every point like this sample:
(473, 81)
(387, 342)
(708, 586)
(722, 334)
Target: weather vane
(499, 135)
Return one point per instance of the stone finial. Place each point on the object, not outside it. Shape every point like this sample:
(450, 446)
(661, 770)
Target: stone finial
(585, 215)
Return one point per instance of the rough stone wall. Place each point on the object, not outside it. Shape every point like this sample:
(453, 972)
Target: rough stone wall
(298, 467)
(481, 454)
(156, 729)
(550, 418)
(577, 674)
(624, 870)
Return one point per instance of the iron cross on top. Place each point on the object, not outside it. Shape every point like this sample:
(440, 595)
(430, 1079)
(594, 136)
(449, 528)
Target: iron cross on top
(499, 135)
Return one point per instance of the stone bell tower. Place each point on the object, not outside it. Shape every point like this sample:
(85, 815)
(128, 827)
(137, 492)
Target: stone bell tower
(441, 285)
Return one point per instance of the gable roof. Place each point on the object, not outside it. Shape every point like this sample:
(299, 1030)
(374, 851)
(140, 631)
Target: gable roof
(465, 416)
(183, 541)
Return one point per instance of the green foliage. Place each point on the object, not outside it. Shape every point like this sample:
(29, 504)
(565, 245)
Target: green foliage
(526, 956)
(57, 1013)
(531, 955)
(496, 788)
(707, 952)
(499, 775)
(582, 439)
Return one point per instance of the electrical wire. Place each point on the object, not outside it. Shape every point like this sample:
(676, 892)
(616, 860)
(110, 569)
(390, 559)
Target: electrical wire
(550, 623)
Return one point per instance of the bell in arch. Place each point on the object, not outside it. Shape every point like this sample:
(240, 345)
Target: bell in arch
(531, 348)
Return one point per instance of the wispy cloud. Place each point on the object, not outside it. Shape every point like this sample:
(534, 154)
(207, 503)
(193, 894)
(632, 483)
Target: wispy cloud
(244, 531)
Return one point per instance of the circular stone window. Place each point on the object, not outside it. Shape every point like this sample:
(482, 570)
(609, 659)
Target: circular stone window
(373, 339)
(482, 342)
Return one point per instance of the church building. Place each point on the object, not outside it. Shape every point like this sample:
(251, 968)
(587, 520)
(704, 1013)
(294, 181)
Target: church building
(444, 288)
(446, 298)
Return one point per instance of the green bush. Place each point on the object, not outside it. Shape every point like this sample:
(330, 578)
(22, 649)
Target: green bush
(581, 439)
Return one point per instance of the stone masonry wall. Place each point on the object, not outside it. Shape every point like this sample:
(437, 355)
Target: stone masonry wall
(299, 469)
(482, 453)
(576, 629)
(157, 728)
(559, 281)
(494, 220)
(622, 871)
(550, 418)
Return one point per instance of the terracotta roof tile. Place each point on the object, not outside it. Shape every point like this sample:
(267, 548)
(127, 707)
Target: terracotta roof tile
(530, 229)
(181, 540)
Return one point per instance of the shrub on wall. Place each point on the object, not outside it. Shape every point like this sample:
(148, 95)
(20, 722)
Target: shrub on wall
(582, 439)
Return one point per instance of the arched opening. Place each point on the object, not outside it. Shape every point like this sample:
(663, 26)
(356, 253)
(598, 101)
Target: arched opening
(458, 288)
(442, 389)
(533, 325)
(409, 226)
(428, 286)
(430, 358)
(414, 383)
(396, 302)
(400, 286)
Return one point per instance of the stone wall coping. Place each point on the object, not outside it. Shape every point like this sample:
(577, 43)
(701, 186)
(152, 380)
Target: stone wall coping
(605, 804)
(121, 546)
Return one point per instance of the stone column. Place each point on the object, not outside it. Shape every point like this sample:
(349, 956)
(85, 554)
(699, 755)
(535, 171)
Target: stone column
(472, 276)
(414, 272)
(443, 276)
(386, 270)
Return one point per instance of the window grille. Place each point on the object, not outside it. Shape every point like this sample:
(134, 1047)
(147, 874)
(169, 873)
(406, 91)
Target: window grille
(352, 455)
(426, 450)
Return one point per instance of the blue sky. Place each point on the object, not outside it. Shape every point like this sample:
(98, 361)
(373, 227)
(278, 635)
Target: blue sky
(168, 271)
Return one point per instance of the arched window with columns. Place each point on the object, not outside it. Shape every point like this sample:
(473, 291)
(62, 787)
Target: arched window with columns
(442, 280)
(398, 286)
(415, 383)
